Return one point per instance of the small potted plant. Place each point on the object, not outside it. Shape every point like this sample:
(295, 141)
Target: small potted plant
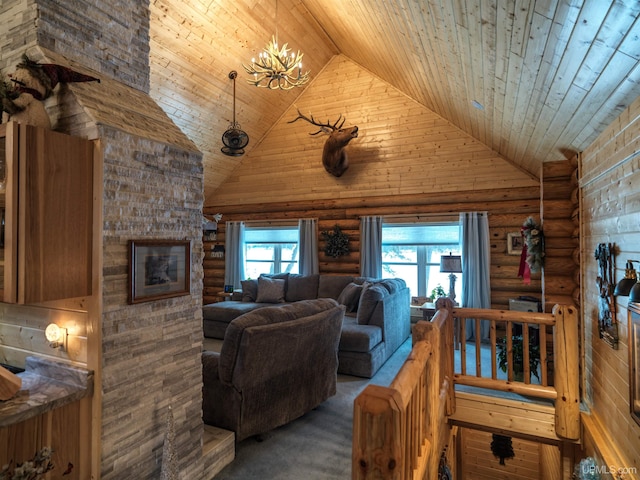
(517, 356)
(437, 292)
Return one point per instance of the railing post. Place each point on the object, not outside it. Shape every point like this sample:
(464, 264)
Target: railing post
(378, 435)
(566, 378)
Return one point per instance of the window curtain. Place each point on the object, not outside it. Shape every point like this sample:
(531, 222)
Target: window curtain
(371, 247)
(308, 231)
(476, 283)
(234, 254)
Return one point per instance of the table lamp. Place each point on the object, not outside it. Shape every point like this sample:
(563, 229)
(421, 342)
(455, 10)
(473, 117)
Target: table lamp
(451, 264)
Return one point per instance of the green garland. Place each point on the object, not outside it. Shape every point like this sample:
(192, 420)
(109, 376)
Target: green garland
(534, 241)
(337, 243)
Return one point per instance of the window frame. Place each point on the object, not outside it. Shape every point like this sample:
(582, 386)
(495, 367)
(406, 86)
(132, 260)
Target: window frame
(422, 264)
(276, 261)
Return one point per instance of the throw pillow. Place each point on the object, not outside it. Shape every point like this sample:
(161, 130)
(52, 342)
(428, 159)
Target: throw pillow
(350, 296)
(270, 290)
(249, 290)
(369, 298)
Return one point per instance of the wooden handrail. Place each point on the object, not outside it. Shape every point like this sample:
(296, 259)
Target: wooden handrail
(400, 431)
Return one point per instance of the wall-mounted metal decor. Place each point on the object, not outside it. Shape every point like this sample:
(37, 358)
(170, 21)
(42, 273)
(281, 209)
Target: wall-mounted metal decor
(607, 323)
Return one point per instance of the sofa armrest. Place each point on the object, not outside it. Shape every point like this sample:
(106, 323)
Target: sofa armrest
(393, 316)
(210, 362)
(221, 403)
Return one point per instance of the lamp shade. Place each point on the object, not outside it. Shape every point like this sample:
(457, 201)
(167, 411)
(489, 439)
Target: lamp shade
(634, 295)
(624, 286)
(451, 263)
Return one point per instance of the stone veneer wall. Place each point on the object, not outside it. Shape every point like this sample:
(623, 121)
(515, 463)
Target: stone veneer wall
(152, 188)
(150, 351)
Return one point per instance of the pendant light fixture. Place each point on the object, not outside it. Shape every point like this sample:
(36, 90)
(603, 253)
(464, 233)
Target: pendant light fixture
(276, 68)
(234, 138)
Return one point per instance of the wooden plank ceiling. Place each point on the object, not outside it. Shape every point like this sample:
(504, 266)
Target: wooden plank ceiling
(549, 74)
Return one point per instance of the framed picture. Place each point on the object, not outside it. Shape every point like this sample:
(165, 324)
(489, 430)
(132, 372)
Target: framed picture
(514, 243)
(158, 269)
(634, 361)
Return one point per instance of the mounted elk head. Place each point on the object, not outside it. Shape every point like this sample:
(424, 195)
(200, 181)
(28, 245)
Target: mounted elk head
(334, 157)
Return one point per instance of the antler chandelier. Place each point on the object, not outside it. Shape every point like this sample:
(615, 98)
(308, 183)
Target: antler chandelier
(275, 68)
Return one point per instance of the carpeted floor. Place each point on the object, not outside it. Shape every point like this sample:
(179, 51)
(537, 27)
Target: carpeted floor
(317, 446)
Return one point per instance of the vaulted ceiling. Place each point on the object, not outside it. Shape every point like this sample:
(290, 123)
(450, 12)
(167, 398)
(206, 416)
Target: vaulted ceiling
(534, 80)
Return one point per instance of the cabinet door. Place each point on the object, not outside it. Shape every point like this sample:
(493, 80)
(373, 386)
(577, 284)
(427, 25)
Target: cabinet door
(55, 216)
(8, 211)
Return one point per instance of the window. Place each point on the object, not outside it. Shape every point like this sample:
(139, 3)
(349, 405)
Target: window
(412, 252)
(270, 250)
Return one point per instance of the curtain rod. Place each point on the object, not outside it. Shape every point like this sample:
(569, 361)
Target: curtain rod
(419, 216)
(278, 221)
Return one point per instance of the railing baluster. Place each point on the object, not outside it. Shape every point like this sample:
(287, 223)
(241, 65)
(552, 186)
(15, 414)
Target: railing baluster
(526, 372)
(542, 338)
(494, 362)
(463, 346)
(509, 351)
(478, 338)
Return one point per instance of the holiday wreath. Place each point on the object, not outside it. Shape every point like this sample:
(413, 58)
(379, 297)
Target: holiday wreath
(337, 243)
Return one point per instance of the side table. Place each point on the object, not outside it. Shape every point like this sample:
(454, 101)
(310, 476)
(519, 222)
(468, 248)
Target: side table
(428, 310)
(225, 295)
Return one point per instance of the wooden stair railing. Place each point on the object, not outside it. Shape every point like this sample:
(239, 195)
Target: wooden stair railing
(563, 322)
(400, 431)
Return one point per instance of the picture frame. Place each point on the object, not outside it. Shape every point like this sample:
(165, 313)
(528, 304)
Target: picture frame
(514, 243)
(634, 360)
(158, 269)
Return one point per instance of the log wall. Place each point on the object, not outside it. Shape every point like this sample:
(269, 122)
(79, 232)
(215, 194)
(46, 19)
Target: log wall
(505, 215)
(560, 224)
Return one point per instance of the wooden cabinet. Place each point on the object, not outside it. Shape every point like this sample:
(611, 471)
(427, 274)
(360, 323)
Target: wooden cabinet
(46, 197)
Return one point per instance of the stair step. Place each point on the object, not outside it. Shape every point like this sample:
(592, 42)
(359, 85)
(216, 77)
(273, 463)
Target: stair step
(218, 449)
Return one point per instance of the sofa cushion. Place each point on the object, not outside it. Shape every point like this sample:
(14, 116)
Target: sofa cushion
(358, 338)
(280, 276)
(350, 296)
(302, 287)
(249, 290)
(228, 311)
(270, 290)
(330, 286)
(371, 294)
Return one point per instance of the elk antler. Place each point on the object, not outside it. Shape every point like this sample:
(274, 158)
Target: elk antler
(324, 127)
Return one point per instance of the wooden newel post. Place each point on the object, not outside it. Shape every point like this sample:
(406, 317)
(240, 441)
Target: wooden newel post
(566, 373)
(377, 450)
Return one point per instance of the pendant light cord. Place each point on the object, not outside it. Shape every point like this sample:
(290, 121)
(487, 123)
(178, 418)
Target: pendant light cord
(232, 75)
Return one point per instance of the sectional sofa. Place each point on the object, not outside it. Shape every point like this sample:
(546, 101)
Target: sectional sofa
(376, 320)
